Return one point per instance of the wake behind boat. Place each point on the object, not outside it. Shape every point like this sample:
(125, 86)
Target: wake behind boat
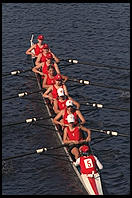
(91, 182)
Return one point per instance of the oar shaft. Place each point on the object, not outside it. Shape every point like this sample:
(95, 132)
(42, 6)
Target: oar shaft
(74, 61)
(86, 82)
(16, 72)
(108, 132)
(22, 94)
(35, 152)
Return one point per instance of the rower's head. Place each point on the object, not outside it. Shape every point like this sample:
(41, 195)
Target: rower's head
(49, 57)
(51, 70)
(69, 104)
(40, 38)
(45, 48)
(85, 150)
(71, 119)
(61, 92)
(58, 79)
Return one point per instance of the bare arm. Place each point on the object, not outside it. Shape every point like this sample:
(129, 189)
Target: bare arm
(64, 78)
(56, 68)
(88, 139)
(36, 69)
(57, 117)
(65, 90)
(83, 121)
(56, 109)
(44, 85)
(28, 52)
(38, 59)
(54, 57)
(74, 102)
(46, 93)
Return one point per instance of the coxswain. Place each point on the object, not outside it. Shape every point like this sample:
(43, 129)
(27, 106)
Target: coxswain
(41, 68)
(89, 166)
(65, 112)
(42, 56)
(74, 135)
(60, 102)
(38, 47)
(49, 78)
(51, 92)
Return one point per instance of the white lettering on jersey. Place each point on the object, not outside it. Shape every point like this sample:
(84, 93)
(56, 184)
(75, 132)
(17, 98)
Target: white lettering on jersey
(88, 163)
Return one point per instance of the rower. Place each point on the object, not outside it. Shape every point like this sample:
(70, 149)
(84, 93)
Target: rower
(44, 65)
(49, 78)
(65, 112)
(42, 56)
(60, 102)
(89, 165)
(74, 134)
(88, 162)
(38, 47)
(51, 92)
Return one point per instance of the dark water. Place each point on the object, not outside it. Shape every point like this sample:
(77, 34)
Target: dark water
(91, 32)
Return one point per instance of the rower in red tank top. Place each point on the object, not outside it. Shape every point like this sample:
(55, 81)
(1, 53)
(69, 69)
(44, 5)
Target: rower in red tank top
(51, 92)
(74, 134)
(38, 50)
(38, 47)
(69, 110)
(66, 114)
(42, 67)
(42, 57)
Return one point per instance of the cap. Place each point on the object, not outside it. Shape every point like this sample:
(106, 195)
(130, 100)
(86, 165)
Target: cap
(49, 55)
(69, 103)
(58, 77)
(60, 92)
(84, 149)
(45, 46)
(41, 37)
(70, 118)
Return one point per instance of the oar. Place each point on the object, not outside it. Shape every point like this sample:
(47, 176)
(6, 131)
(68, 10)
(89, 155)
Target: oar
(110, 133)
(73, 61)
(100, 106)
(41, 150)
(86, 82)
(27, 121)
(23, 94)
(16, 72)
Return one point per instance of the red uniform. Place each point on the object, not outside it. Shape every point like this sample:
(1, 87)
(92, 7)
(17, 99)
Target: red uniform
(43, 58)
(75, 134)
(38, 50)
(50, 81)
(54, 92)
(45, 68)
(88, 164)
(62, 105)
(65, 117)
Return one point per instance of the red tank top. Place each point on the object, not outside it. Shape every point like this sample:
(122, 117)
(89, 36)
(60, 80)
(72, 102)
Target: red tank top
(88, 164)
(38, 50)
(43, 58)
(65, 117)
(45, 68)
(54, 92)
(75, 134)
(62, 105)
(50, 81)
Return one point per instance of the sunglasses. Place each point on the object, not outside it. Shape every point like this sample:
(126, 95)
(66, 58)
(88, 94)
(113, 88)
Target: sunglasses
(70, 106)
